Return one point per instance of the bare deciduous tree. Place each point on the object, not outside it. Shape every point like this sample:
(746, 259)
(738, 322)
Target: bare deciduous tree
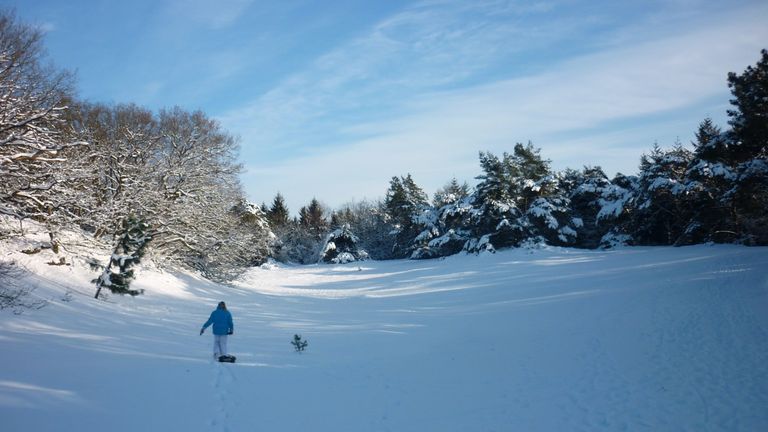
(32, 100)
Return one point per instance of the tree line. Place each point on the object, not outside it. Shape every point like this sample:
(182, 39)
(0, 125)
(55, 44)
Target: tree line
(106, 169)
(715, 190)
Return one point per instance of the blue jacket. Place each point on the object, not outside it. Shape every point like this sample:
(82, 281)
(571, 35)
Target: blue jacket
(222, 322)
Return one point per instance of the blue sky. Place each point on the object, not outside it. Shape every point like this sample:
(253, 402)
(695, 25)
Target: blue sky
(331, 99)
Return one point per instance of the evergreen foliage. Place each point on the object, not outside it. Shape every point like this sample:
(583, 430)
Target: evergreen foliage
(586, 190)
(450, 193)
(278, 214)
(130, 248)
(748, 117)
(312, 218)
(342, 246)
(372, 226)
(405, 204)
(299, 344)
(661, 213)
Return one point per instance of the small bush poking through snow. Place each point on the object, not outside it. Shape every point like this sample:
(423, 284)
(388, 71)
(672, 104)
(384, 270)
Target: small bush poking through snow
(298, 343)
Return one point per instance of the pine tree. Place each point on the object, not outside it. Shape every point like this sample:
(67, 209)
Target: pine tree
(530, 175)
(312, 218)
(405, 202)
(130, 248)
(372, 225)
(278, 214)
(342, 246)
(710, 144)
(396, 202)
(495, 181)
(495, 218)
(749, 151)
(617, 208)
(586, 189)
(452, 192)
(661, 214)
(749, 116)
(707, 179)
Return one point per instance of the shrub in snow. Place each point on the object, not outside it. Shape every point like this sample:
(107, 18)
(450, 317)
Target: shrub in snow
(447, 244)
(341, 247)
(295, 244)
(12, 295)
(614, 239)
(299, 344)
(536, 242)
(131, 246)
(483, 244)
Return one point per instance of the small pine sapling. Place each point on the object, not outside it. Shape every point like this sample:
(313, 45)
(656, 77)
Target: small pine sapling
(298, 343)
(130, 248)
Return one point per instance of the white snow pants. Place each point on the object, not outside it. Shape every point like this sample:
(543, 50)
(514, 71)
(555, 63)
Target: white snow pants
(219, 345)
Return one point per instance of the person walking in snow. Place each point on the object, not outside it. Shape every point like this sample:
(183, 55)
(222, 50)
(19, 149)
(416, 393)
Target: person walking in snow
(222, 327)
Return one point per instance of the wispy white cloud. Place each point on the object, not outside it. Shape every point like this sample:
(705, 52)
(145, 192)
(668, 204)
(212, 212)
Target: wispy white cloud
(47, 27)
(213, 14)
(423, 47)
(148, 91)
(432, 115)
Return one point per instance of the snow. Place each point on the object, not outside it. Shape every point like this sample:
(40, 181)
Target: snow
(577, 222)
(549, 339)
(713, 169)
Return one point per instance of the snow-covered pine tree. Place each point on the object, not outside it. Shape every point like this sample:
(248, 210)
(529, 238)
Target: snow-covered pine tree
(443, 227)
(446, 226)
(313, 218)
(708, 177)
(301, 240)
(661, 213)
(495, 220)
(278, 214)
(341, 246)
(132, 242)
(405, 202)
(585, 189)
(551, 220)
(371, 223)
(748, 151)
(547, 207)
(518, 199)
(749, 116)
(452, 192)
(530, 175)
(617, 204)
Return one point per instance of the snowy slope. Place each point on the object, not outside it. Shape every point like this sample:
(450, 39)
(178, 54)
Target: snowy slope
(658, 339)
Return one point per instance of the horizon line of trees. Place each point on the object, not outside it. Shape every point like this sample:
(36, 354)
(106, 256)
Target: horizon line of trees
(715, 191)
(71, 164)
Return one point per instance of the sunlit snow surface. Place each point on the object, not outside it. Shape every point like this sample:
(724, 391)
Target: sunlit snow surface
(657, 339)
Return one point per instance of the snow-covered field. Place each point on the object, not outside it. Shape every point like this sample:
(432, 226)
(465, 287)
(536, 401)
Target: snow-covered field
(657, 339)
